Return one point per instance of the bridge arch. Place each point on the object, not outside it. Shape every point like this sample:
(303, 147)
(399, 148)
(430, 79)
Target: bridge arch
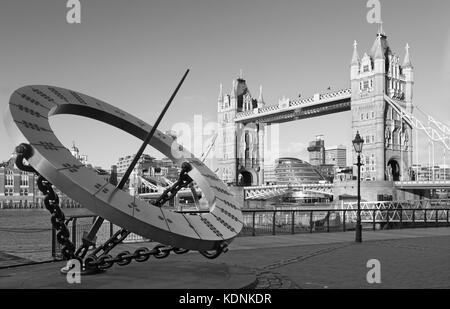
(247, 178)
(393, 169)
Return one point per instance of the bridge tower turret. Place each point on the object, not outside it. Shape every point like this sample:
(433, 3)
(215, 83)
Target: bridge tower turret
(238, 146)
(387, 152)
(354, 71)
(408, 71)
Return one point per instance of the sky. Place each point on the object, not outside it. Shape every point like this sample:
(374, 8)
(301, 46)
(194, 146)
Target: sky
(132, 54)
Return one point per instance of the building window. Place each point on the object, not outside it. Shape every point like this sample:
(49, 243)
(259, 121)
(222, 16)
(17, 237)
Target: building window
(367, 161)
(366, 68)
(24, 179)
(373, 139)
(373, 115)
(9, 179)
(365, 85)
(362, 116)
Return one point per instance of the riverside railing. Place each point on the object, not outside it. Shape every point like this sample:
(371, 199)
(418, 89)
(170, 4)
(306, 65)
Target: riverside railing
(291, 221)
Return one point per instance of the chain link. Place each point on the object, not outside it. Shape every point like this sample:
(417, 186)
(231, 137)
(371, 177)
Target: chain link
(51, 202)
(183, 181)
(142, 254)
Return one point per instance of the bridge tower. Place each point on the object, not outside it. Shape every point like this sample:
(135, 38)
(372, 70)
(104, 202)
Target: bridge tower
(387, 152)
(238, 151)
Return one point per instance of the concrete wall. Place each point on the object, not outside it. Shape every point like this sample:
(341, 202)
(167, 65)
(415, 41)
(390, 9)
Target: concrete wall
(371, 189)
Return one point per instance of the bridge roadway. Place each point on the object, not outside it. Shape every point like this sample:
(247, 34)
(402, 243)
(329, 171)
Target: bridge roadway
(317, 105)
(266, 192)
(431, 184)
(412, 258)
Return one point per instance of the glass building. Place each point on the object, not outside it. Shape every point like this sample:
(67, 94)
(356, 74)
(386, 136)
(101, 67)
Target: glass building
(295, 171)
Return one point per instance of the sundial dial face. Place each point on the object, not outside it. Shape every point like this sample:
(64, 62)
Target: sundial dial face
(27, 122)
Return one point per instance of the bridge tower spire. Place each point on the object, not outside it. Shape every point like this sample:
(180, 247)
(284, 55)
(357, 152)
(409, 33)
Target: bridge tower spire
(220, 99)
(355, 57)
(260, 97)
(408, 71)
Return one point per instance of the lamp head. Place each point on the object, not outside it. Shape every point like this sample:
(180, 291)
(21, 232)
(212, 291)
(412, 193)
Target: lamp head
(358, 143)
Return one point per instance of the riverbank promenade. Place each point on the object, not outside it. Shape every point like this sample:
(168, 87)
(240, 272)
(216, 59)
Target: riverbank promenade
(409, 258)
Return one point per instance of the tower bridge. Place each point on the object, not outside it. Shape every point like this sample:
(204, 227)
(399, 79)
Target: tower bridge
(380, 99)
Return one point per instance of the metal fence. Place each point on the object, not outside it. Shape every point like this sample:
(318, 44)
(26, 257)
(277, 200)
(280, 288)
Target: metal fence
(275, 222)
(77, 230)
(279, 222)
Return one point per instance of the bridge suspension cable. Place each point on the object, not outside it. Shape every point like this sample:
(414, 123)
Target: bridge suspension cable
(432, 133)
(438, 124)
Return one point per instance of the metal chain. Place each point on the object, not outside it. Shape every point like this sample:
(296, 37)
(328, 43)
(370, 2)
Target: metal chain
(51, 202)
(142, 254)
(183, 181)
(105, 260)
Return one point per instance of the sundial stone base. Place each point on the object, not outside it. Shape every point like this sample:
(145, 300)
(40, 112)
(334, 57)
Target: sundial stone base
(152, 274)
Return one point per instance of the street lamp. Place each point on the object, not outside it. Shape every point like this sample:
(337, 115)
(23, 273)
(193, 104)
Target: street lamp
(358, 145)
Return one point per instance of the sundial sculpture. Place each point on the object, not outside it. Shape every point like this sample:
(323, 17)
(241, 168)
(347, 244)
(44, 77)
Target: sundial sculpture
(27, 122)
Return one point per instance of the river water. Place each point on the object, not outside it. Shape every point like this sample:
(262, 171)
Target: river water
(27, 232)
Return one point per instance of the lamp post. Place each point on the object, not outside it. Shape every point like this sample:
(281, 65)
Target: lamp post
(358, 145)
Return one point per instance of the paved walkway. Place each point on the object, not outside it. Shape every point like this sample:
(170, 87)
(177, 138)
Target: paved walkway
(277, 241)
(410, 258)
